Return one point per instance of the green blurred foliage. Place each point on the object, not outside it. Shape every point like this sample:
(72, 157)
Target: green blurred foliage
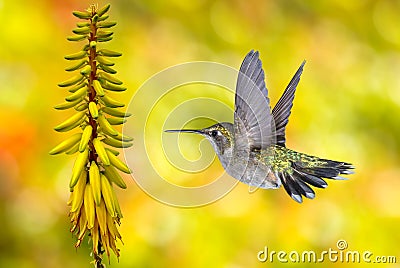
(346, 108)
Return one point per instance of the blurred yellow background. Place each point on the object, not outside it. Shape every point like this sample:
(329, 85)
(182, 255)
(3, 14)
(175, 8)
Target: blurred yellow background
(347, 108)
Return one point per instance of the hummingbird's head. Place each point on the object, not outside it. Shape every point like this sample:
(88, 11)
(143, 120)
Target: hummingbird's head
(220, 136)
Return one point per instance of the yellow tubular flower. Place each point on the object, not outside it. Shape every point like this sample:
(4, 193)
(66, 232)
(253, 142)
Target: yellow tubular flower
(95, 210)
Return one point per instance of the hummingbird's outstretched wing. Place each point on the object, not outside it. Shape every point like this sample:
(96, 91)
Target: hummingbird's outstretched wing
(253, 123)
(281, 111)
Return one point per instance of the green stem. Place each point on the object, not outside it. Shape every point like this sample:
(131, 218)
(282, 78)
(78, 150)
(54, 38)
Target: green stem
(92, 121)
(92, 92)
(98, 259)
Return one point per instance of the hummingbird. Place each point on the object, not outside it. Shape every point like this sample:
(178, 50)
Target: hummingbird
(253, 149)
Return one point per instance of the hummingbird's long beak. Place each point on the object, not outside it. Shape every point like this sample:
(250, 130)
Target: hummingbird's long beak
(197, 131)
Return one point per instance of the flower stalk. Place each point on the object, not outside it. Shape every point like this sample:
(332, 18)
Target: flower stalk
(95, 210)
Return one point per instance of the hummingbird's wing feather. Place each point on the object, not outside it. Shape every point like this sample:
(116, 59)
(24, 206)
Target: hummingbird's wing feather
(281, 111)
(253, 123)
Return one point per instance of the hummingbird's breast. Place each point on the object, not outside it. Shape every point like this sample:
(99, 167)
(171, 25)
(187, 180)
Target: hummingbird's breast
(247, 168)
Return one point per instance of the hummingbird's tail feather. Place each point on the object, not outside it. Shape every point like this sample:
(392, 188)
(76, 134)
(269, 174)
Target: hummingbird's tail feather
(324, 168)
(308, 173)
(295, 187)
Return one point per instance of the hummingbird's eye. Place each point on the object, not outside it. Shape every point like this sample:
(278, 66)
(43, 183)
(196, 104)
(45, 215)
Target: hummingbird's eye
(214, 133)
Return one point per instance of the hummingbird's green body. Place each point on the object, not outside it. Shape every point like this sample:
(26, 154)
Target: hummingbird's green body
(280, 159)
(253, 150)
